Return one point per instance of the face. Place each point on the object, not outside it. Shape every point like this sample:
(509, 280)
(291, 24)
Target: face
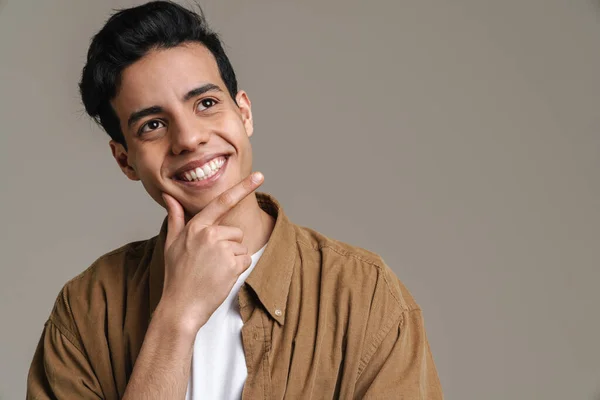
(176, 115)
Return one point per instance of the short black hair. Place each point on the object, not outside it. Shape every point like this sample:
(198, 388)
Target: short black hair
(130, 34)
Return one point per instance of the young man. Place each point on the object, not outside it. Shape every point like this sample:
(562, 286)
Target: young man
(230, 299)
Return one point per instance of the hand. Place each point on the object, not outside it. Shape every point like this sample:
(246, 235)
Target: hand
(203, 259)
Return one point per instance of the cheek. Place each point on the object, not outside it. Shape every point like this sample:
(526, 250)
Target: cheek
(233, 131)
(149, 171)
(148, 165)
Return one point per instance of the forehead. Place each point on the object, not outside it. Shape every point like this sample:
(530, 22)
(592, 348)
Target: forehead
(165, 74)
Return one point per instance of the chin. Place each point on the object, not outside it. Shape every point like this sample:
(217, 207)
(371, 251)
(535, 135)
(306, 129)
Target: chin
(193, 208)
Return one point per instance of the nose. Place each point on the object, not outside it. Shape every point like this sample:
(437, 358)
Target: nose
(187, 134)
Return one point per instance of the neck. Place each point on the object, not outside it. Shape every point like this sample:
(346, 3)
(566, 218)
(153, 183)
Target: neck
(256, 224)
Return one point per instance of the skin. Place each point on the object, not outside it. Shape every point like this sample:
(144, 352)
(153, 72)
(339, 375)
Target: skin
(185, 130)
(211, 231)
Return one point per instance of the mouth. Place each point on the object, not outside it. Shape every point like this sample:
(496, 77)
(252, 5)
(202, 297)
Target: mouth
(205, 175)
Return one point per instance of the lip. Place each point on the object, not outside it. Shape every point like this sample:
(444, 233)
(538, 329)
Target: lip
(205, 183)
(198, 163)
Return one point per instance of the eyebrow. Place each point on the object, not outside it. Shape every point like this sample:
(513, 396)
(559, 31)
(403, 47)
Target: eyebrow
(137, 115)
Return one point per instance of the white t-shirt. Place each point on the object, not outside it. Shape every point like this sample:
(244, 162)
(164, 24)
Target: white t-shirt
(218, 363)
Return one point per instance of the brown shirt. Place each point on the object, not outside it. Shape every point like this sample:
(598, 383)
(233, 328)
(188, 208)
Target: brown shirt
(322, 320)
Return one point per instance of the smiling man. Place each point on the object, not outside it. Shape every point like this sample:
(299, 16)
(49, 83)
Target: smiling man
(231, 299)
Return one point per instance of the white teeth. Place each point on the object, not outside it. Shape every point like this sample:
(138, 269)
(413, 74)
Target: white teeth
(206, 171)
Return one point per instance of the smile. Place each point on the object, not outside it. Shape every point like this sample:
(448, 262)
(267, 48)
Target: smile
(203, 172)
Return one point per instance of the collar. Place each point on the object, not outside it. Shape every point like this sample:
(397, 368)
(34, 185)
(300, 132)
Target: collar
(270, 279)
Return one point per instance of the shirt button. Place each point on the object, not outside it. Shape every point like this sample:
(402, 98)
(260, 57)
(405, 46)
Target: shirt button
(278, 312)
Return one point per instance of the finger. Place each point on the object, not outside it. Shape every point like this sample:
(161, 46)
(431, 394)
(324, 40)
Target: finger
(219, 206)
(238, 249)
(175, 219)
(244, 261)
(217, 233)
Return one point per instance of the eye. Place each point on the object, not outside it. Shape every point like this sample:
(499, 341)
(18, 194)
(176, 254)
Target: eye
(151, 126)
(205, 103)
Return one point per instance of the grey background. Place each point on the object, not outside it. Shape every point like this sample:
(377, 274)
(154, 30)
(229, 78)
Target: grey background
(458, 139)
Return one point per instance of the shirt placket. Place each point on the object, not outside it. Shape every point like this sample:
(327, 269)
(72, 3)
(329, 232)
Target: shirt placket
(256, 341)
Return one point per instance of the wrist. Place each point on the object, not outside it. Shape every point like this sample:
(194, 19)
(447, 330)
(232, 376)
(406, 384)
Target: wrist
(175, 321)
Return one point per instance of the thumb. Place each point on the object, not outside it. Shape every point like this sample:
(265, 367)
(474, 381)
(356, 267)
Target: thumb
(175, 219)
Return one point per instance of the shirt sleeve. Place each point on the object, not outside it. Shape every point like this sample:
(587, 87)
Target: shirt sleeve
(402, 367)
(60, 368)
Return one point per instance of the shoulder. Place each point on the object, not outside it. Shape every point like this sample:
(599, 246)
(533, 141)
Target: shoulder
(353, 268)
(104, 281)
(113, 267)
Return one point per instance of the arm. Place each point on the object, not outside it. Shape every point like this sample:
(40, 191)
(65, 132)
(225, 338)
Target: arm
(201, 258)
(202, 262)
(162, 368)
(192, 251)
(402, 365)
(61, 370)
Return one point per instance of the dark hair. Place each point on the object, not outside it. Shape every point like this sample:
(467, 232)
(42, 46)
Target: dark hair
(126, 37)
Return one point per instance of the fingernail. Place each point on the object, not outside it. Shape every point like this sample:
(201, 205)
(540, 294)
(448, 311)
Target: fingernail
(257, 177)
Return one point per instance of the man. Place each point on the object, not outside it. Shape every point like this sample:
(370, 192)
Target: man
(230, 299)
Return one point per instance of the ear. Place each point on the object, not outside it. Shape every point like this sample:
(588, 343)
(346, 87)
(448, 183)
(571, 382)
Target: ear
(120, 155)
(245, 108)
